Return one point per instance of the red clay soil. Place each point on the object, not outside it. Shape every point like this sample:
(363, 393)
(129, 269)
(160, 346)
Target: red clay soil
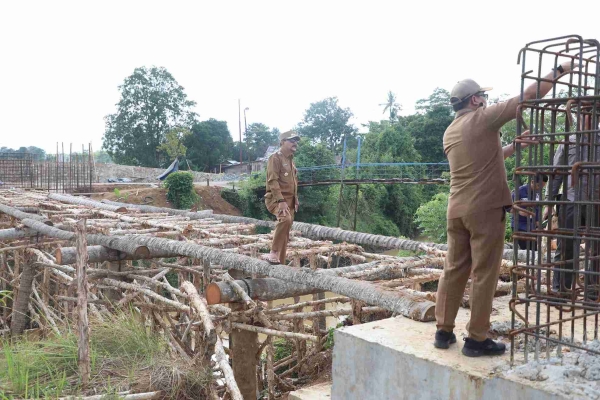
(210, 198)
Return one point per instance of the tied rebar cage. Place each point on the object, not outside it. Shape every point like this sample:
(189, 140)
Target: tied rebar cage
(561, 302)
(59, 173)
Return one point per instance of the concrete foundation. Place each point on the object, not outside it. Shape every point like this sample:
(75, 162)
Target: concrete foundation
(395, 359)
(321, 391)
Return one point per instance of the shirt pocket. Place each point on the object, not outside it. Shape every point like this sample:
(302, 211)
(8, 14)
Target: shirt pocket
(286, 173)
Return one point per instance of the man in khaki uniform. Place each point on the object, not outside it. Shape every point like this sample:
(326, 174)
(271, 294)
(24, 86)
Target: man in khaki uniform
(282, 194)
(479, 198)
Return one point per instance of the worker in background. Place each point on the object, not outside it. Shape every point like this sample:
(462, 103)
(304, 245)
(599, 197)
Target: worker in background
(562, 281)
(281, 198)
(527, 222)
(479, 198)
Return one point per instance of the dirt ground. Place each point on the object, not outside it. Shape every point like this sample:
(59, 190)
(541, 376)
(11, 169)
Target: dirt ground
(210, 198)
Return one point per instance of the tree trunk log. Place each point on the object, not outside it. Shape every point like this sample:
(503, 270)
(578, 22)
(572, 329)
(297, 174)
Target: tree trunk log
(85, 202)
(21, 304)
(410, 306)
(125, 245)
(16, 233)
(67, 255)
(13, 212)
(263, 289)
(152, 209)
(83, 342)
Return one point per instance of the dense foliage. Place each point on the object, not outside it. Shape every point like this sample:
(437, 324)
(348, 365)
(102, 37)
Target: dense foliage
(180, 189)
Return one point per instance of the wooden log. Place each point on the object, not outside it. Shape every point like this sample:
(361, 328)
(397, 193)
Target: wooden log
(13, 212)
(397, 301)
(85, 202)
(83, 340)
(125, 245)
(274, 332)
(313, 231)
(67, 255)
(223, 363)
(152, 209)
(21, 303)
(262, 289)
(199, 305)
(16, 233)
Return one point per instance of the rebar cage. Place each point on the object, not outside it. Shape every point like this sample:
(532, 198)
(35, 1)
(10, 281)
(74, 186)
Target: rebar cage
(60, 172)
(560, 305)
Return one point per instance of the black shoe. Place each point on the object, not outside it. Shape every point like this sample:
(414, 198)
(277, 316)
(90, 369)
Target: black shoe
(444, 339)
(488, 347)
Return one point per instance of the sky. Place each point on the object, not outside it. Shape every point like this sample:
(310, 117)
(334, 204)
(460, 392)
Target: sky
(61, 62)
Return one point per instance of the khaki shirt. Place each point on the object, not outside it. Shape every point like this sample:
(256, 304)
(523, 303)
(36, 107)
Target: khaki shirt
(477, 173)
(282, 178)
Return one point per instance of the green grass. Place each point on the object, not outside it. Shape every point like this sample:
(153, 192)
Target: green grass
(120, 347)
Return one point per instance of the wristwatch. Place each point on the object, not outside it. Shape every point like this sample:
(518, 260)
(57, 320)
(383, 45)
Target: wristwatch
(560, 69)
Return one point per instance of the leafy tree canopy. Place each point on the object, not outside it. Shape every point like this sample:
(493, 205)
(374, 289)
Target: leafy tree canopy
(152, 103)
(326, 122)
(208, 144)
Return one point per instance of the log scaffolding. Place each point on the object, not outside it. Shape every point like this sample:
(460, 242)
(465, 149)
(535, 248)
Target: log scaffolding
(58, 271)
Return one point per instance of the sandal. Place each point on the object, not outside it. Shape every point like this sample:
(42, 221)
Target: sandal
(270, 258)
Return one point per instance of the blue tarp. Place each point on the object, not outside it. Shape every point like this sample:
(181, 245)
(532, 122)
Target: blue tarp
(174, 167)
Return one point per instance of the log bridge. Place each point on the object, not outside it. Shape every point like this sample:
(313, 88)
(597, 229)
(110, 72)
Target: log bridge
(222, 306)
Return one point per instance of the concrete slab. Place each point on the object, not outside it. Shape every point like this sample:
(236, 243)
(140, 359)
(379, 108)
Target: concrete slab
(322, 391)
(395, 359)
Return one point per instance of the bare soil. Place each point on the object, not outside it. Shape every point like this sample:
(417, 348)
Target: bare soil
(210, 198)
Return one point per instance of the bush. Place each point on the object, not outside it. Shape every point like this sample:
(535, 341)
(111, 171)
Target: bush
(180, 186)
(431, 218)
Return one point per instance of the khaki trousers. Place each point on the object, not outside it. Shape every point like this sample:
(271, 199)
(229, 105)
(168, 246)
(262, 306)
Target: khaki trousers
(281, 236)
(475, 246)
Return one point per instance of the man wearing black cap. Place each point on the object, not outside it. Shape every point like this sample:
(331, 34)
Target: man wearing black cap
(282, 194)
(479, 196)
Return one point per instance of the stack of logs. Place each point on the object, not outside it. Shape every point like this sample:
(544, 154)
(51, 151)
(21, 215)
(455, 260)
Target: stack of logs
(62, 257)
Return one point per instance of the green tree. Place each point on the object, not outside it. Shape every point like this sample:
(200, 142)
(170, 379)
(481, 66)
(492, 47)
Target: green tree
(391, 105)
(152, 103)
(326, 122)
(258, 138)
(315, 201)
(431, 218)
(391, 142)
(173, 145)
(208, 144)
(427, 126)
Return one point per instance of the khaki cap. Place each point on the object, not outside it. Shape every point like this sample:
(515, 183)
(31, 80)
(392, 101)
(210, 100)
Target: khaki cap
(288, 135)
(464, 89)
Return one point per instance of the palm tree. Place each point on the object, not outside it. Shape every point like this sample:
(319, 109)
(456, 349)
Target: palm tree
(391, 105)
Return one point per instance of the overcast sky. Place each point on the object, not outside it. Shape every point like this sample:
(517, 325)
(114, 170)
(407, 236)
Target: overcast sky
(61, 62)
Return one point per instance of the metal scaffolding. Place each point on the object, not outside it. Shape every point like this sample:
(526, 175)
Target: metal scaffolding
(561, 302)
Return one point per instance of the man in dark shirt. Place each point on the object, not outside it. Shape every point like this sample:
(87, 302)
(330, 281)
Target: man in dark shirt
(536, 186)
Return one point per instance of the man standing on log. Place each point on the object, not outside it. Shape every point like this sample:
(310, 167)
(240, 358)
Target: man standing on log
(479, 199)
(282, 194)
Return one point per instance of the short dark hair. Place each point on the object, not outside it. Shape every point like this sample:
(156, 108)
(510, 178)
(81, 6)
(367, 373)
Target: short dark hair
(540, 178)
(463, 104)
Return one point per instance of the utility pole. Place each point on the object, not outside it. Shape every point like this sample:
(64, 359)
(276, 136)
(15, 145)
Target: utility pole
(240, 126)
(246, 134)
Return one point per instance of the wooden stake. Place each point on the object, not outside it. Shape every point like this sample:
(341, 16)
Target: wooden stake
(83, 342)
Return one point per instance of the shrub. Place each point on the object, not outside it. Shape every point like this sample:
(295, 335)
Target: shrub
(180, 190)
(431, 218)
